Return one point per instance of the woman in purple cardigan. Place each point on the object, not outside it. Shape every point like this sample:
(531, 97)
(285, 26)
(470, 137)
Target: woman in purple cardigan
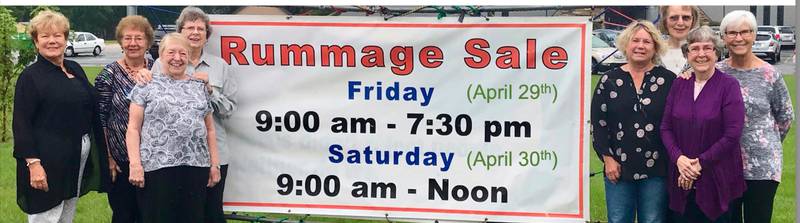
(701, 128)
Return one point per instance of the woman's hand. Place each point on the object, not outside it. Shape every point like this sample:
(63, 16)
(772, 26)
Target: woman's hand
(113, 169)
(213, 176)
(143, 76)
(136, 175)
(684, 182)
(612, 169)
(688, 167)
(38, 176)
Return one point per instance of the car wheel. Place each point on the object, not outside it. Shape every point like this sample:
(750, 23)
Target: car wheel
(96, 50)
(70, 52)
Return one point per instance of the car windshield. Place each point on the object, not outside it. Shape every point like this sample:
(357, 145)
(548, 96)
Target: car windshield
(599, 43)
(768, 29)
(763, 37)
(787, 30)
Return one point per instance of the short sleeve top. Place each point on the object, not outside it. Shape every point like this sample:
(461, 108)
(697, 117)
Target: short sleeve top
(173, 130)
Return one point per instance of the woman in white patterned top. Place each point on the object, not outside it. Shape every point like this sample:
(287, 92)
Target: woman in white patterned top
(171, 140)
(768, 116)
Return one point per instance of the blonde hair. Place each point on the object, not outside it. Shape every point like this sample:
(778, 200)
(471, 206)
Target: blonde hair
(47, 21)
(663, 10)
(136, 22)
(173, 38)
(627, 34)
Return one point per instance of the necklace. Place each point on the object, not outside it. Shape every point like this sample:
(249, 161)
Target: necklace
(130, 70)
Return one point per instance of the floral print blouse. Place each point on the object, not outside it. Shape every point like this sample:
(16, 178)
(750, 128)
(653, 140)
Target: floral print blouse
(626, 121)
(769, 115)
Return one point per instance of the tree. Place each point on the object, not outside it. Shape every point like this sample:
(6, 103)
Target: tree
(16, 51)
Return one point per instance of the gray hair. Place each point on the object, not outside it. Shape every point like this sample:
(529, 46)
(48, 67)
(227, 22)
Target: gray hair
(191, 13)
(702, 34)
(738, 17)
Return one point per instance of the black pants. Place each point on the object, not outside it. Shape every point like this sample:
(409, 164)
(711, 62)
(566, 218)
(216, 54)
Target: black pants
(693, 214)
(122, 198)
(173, 195)
(214, 213)
(756, 202)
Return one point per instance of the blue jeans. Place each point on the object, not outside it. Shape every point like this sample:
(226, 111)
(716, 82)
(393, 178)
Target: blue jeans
(646, 199)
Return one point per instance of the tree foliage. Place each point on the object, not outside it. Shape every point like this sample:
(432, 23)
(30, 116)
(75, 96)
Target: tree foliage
(16, 51)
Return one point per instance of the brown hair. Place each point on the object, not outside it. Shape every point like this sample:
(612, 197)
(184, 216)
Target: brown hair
(136, 22)
(192, 13)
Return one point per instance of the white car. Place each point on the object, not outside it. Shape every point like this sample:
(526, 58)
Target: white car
(766, 46)
(83, 42)
(787, 35)
(601, 50)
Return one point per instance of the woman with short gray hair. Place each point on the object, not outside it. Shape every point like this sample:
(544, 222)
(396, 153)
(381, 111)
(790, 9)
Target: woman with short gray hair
(194, 25)
(768, 118)
(701, 128)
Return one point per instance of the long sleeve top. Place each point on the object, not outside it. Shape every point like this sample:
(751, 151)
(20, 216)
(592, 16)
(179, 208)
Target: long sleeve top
(625, 121)
(51, 113)
(769, 115)
(708, 128)
(222, 98)
(113, 86)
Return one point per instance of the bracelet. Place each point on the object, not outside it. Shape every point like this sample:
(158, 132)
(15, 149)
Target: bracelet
(29, 163)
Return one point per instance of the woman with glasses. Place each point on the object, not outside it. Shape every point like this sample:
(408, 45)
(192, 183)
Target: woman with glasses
(768, 116)
(676, 21)
(626, 114)
(194, 25)
(701, 128)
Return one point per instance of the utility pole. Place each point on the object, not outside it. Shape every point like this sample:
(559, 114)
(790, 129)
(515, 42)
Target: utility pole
(131, 10)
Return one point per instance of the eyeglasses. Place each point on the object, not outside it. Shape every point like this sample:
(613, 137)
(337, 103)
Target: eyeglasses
(695, 50)
(743, 33)
(675, 18)
(195, 28)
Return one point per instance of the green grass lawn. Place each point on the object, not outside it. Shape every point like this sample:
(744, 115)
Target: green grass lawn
(784, 206)
(94, 207)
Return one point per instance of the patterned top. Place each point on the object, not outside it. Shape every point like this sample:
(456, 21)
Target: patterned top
(113, 85)
(768, 117)
(626, 121)
(173, 131)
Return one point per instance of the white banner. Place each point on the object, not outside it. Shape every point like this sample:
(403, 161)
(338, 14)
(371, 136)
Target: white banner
(409, 118)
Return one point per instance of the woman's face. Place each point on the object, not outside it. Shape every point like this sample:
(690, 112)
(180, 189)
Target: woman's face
(134, 43)
(195, 31)
(702, 56)
(174, 59)
(641, 47)
(739, 39)
(51, 43)
(679, 21)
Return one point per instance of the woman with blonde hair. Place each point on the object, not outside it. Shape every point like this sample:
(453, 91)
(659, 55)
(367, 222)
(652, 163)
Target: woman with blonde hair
(625, 115)
(53, 119)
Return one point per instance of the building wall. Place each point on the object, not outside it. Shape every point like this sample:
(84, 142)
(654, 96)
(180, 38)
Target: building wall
(718, 12)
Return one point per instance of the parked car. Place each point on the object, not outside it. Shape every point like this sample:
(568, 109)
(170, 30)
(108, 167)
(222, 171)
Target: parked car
(84, 42)
(607, 35)
(773, 30)
(787, 35)
(601, 50)
(158, 32)
(767, 46)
